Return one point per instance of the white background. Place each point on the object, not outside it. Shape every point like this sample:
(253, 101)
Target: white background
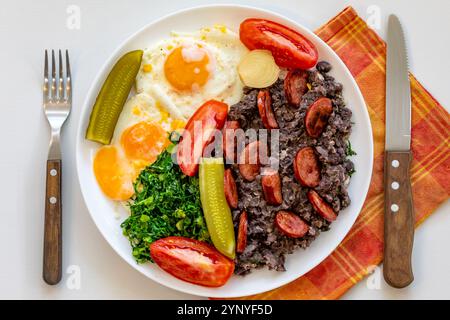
(28, 27)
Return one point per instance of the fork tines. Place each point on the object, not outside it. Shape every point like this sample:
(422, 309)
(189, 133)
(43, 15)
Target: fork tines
(57, 88)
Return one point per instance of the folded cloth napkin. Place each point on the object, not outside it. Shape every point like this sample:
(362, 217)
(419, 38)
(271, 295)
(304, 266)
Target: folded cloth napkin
(364, 53)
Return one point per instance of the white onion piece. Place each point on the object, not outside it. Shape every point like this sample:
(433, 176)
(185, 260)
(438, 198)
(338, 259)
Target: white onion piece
(258, 69)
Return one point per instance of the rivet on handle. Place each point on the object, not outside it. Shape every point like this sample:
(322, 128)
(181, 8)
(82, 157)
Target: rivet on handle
(395, 164)
(395, 208)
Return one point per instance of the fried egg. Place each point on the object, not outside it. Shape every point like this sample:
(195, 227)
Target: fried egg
(177, 76)
(188, 69)
(141, 134)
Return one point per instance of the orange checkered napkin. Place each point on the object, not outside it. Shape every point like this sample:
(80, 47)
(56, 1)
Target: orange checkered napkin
(365, 55)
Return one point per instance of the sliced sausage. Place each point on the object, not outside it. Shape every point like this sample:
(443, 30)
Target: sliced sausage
(265, 110)
(229, 141)
(290, 224)
(249, 162)
(271, 185)
(295, 86)
(242, 233)
(306, 167)
(317, 116)
(230, 189)
(322, 208)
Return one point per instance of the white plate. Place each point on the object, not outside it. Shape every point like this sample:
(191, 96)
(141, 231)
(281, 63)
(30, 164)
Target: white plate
(104, 212)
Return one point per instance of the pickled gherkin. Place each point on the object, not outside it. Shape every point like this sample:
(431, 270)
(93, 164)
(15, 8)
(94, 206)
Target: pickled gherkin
(112, 97)
(215, 207)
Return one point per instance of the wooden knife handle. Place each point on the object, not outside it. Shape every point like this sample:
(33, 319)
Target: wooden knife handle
(52, 270)
(398, 219)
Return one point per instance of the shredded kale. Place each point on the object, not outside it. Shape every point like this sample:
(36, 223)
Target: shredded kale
(166, 203)
(351, 172)
(174, 137)
(350, 152)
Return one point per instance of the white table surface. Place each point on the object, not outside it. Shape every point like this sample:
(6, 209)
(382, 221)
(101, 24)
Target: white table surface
(27, 27)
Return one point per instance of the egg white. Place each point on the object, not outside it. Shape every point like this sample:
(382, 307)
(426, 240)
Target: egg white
(140, 107)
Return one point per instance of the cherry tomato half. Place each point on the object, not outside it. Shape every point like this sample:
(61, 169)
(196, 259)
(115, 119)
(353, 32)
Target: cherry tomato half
(289, 48)
(192, 261)
(198, 133)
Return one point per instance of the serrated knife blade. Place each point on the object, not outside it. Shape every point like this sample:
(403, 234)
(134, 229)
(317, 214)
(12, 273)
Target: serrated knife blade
(399, 205)
(398, 90)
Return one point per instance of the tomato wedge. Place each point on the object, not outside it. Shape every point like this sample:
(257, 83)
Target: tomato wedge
(321, 206)
(192, 261)
(198, 133)
(242, 233)
(289, 48)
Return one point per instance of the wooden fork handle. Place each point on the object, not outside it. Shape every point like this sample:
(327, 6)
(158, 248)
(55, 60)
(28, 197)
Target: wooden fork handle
(398, 219)
(52, 270)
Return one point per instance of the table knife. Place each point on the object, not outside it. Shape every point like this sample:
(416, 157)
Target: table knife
(399, 210)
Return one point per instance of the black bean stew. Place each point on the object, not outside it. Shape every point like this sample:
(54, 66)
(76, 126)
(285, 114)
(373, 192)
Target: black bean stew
(266, 245)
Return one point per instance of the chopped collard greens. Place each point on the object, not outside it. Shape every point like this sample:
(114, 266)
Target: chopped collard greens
(166, 203)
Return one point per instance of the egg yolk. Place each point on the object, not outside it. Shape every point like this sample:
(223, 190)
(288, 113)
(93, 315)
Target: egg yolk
(177, 124)
(144, 141)
(187, 67)
(113, 174)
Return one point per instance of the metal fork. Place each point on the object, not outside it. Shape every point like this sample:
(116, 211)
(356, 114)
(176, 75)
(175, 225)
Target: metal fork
(57, 102)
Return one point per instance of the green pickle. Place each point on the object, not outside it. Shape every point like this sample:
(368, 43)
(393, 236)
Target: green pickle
(215, 207)
(112, 97)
